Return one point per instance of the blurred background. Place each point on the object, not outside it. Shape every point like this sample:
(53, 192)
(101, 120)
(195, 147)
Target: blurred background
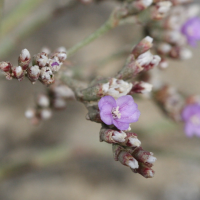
(62, 158)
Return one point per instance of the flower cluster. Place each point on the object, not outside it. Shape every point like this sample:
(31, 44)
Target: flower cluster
(110, 100)
(42, 68)
(110, 103)
(128, 151)
(180, 27)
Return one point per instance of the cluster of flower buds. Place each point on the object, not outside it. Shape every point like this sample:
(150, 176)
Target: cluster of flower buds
(140, 60)
(171, 101)
(42, 68)
(139, 160)
(180, 27)
(56, 98)
(17, 72)
(127, 149)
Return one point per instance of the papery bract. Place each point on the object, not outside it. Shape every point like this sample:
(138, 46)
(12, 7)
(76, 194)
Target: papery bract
(120, 112)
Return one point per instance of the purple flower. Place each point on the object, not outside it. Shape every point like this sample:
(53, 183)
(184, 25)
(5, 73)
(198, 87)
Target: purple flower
(191, 117)
(191, 29)
(120, 112)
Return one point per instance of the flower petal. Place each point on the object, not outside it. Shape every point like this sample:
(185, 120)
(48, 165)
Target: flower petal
(189, 129)
(130, 118)
(107, 100)
(125, 101)
(190, 110)
(106, 114)
(106, 118)
(128, 109)
(120, 125)
(197, 130)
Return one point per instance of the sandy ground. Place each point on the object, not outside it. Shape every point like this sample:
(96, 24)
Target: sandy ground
(94, 175)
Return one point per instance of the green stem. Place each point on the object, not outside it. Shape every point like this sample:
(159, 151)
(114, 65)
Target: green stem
(99, 32)
(111, 23)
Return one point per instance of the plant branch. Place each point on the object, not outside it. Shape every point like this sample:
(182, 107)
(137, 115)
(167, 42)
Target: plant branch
(115, 19)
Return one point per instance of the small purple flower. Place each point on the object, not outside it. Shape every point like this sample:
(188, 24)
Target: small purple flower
(191, 29)
(191, 117)
(120, 112)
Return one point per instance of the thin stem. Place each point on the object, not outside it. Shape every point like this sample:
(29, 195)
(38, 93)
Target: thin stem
(111, 23)
(99, 32)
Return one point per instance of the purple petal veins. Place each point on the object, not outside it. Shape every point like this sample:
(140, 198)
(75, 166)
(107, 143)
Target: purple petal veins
(120, 112)
(191, 117)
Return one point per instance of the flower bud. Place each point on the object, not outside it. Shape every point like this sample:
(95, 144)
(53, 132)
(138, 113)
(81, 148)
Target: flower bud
(141, 87)
(63, 91)
(54, 64)
(41, 59)
(30, 113)
(59, 103)
(112, 136)
(163, 64)
(126, 159)
(116, 88)
(143, 156)
(133, 142)
(61, 53)
(24, 59)
(161, 9)
(5, 66)
(45, 114)
(142, 4)
(164, 48)
(18, 73)
(193, 10)
(144, 170)
(43, 100)
(174, 37)
(148, 61)
(143, 46)
(33, 73)
(46, 76)
(180, 53)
